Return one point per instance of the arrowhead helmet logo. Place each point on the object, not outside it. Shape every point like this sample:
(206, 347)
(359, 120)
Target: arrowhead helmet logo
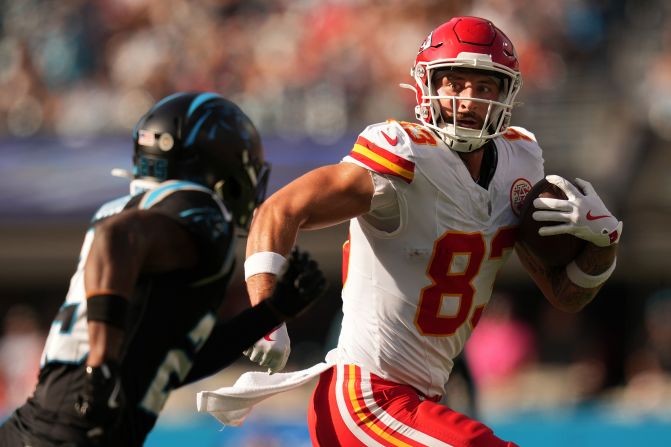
(426, 44)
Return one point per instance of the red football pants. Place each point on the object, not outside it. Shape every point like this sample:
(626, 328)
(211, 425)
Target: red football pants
(351, 407)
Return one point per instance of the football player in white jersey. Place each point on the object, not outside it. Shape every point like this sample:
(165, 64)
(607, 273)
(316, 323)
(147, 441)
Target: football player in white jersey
(433, 208)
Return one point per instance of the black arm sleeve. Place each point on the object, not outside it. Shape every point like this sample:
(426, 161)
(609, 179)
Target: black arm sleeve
(229, 339)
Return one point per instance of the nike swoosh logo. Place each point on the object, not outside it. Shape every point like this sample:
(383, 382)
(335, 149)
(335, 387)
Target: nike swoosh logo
(391, 141)
(592, 217)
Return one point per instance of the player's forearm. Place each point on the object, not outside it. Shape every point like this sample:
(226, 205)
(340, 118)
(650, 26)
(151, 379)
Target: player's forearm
(273, 230)
(230, 338)
(555, 283)
(321, 198)
(111, 269)
(124, 246)
(105, 342)
(593, 261)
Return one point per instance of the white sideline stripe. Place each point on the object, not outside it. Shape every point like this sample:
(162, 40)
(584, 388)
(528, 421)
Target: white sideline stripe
(345, 414)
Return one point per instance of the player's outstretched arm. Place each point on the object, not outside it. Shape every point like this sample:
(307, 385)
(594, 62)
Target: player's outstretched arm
(584, 215)
(298, 287)
(555, 283)
(124, 246)
(323, 197)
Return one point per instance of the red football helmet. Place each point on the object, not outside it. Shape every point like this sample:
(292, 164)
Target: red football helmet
(475, 44)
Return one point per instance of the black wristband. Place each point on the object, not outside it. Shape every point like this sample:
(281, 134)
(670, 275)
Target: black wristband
(107, 308)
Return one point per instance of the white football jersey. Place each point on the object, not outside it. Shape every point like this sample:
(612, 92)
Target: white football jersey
(413, 295)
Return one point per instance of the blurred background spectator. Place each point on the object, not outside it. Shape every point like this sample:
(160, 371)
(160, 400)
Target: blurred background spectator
(75, 75)
(648, 365)
(21, 345)
(502, 346)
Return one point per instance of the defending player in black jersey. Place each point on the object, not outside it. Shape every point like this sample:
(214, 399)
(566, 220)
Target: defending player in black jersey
(139, 319)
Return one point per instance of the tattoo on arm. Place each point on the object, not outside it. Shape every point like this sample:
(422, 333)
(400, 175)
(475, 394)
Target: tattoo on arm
(534, 265)
(593, 261)
(569, 294)
(554, 282)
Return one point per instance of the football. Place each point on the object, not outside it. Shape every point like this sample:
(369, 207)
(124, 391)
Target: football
(553, 251)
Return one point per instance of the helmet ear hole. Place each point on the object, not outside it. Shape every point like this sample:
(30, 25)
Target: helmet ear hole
(237, 202)
(228, 189)
(233, 189)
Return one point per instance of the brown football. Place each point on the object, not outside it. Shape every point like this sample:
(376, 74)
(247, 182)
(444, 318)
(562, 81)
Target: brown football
(555, 250)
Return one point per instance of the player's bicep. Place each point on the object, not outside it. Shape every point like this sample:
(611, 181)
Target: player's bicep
(158, 242)
(326, 196)
(132, 243)
(170, 245)
(207, 221)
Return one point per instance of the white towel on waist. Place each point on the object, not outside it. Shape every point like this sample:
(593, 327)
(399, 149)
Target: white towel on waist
(231, 405)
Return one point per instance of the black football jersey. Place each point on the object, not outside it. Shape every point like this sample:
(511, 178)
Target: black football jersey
(171, 316)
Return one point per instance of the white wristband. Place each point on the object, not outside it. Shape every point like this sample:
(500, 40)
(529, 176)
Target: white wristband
(582, 279)
(264, 262)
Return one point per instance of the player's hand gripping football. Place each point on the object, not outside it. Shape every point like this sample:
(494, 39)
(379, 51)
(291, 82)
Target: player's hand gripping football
(583, 214)
(102, 400)
(298, 287)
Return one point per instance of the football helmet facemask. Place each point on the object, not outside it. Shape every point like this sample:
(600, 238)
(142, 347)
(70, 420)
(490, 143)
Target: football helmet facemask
(205, 139)
(466, 43)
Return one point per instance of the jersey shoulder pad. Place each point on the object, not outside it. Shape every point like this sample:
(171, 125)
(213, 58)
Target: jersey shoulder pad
(111, 208)
(184, 201)
(521, 138)
(516, 133)
(384, 148)
(200, 211)
(168, 188)
(522, 132)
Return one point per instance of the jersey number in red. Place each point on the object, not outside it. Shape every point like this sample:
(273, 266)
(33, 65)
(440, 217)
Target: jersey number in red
(458, 285)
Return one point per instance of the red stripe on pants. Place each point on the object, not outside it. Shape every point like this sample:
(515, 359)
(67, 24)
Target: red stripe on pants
(327, 428)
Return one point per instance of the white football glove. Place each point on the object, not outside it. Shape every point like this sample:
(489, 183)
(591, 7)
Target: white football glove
(583, 214)
(272, 350)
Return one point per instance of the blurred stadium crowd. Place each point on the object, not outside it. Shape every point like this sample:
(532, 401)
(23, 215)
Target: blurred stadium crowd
(79, 67)
(597, 94)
